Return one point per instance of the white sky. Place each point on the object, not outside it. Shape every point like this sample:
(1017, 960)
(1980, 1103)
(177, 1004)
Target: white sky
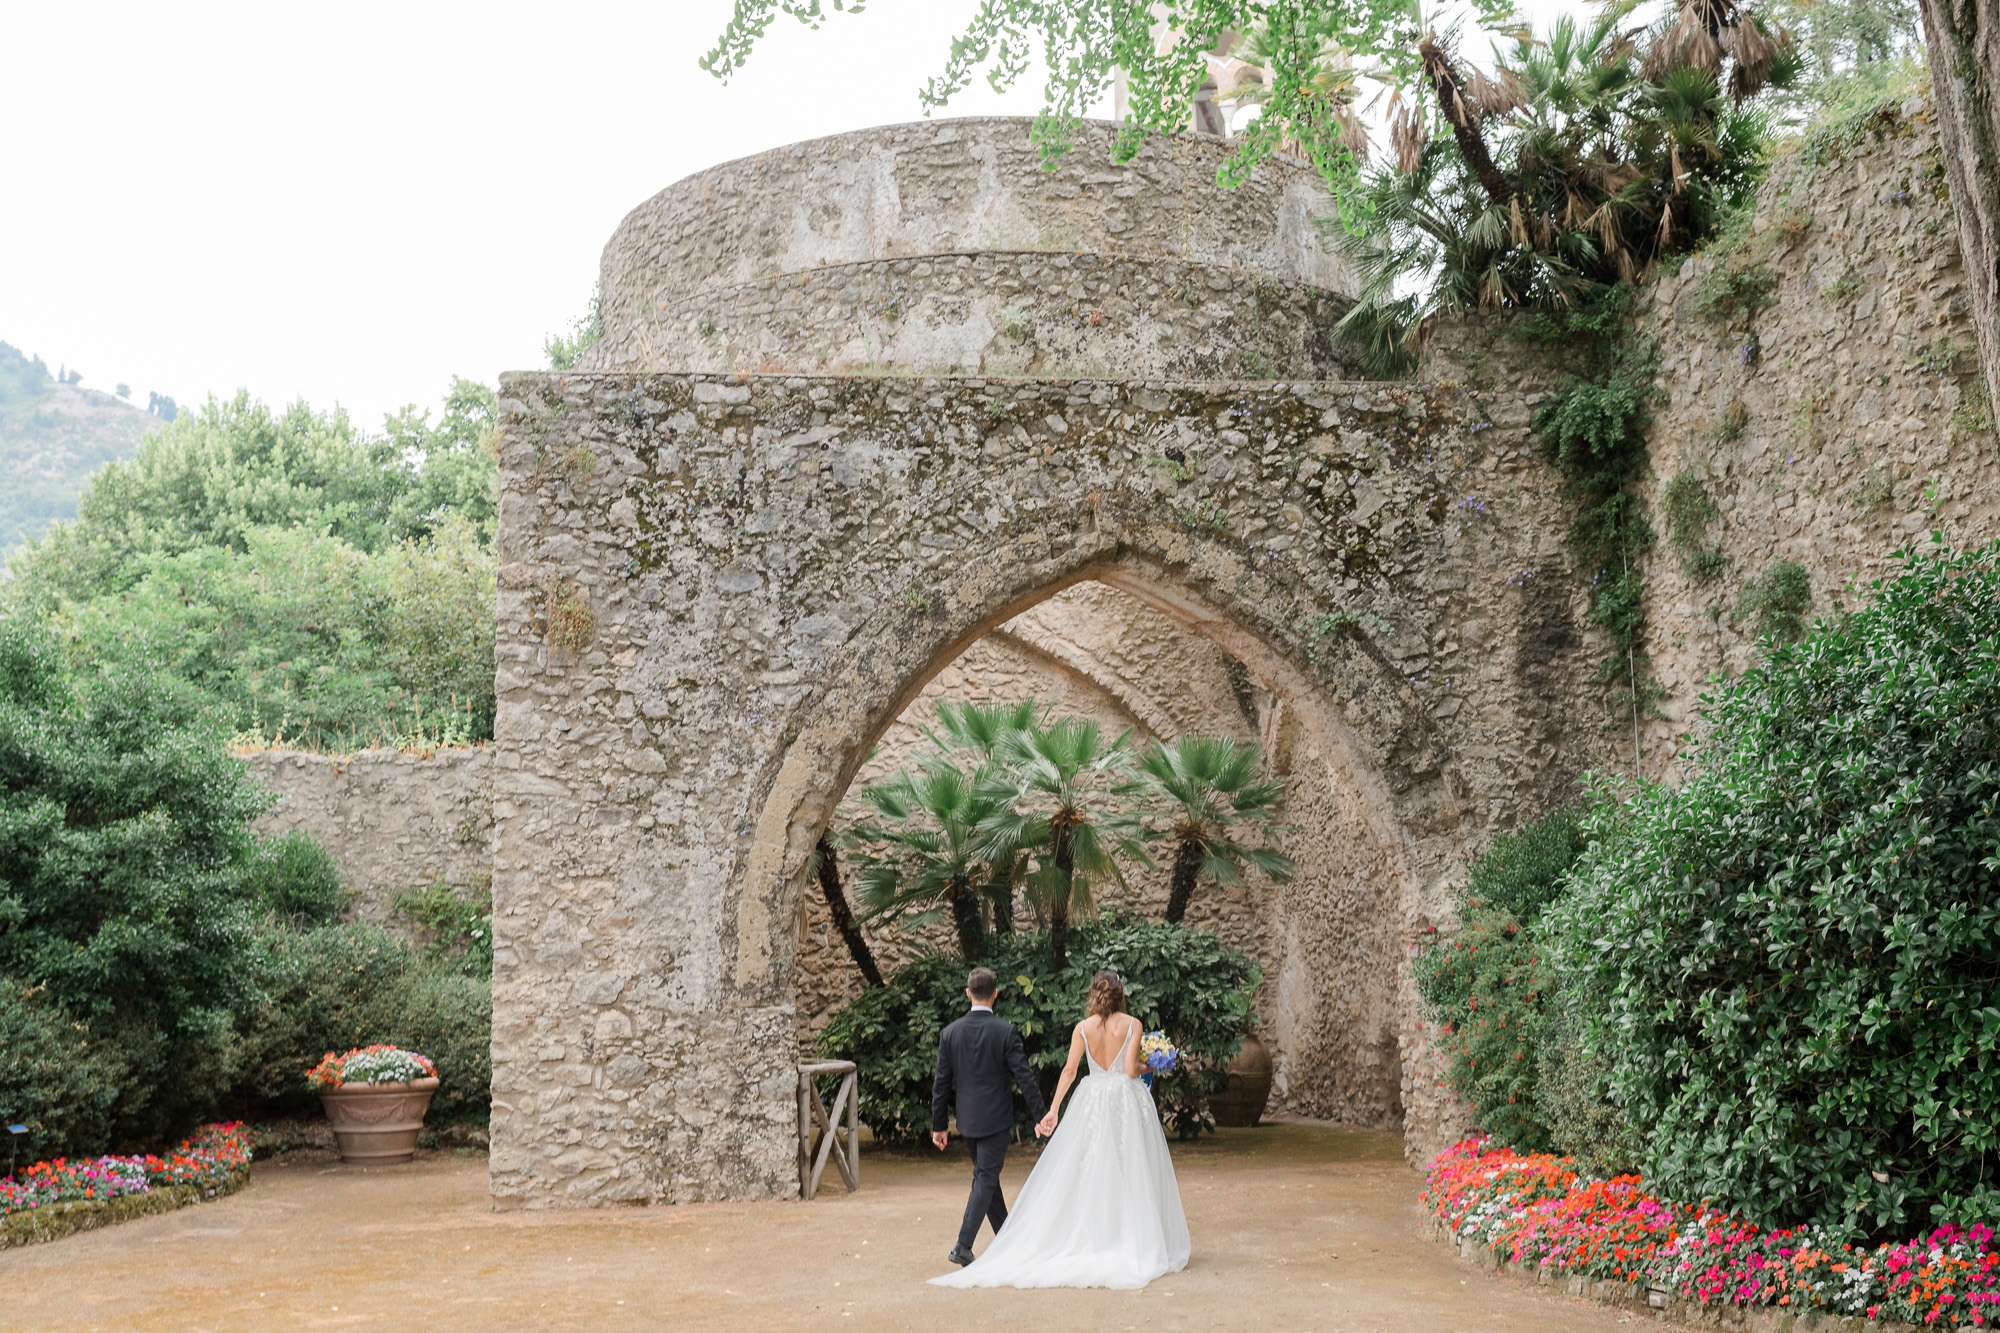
(352, 203)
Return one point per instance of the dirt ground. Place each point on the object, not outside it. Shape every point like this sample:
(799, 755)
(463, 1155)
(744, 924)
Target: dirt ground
(1295, 1227)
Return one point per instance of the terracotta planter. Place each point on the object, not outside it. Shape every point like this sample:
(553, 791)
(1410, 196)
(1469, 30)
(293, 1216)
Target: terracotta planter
(1241, 1103)
(377, 1124)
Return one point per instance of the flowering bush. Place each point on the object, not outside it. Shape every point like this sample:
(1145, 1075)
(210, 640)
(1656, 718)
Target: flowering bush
(208, 1157)
(1535, 1209)
(370, 1064)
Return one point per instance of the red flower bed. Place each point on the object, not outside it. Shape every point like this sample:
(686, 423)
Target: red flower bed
(208, 1157)
(1535, 1209)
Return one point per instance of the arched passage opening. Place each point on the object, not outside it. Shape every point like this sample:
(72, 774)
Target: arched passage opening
(1125, 642)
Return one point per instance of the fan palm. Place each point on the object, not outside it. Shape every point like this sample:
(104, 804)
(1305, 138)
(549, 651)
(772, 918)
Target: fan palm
(1589, 156)
(1065, 794)
(978, 729)
(928, 847)
(1215, 791)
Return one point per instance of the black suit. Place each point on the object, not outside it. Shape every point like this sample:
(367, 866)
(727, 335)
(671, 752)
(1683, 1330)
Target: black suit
(979, 1056)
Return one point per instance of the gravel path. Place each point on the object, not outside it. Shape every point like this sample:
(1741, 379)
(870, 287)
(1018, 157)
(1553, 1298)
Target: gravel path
(1295, 1227)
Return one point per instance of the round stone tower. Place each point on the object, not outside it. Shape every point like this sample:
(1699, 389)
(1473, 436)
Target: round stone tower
(944, 247)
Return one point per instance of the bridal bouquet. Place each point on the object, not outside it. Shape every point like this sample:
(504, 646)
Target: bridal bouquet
(1161, 1056)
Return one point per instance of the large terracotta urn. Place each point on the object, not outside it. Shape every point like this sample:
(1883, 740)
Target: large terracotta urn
(1240, 1104)
(377, 1124)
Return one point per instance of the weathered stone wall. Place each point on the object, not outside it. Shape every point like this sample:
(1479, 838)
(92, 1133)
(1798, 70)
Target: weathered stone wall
(716, 596)
(1861, 427)
(944, 247)
(391, 820)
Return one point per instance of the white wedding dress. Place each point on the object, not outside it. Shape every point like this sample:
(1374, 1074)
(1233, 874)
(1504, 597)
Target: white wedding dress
(1101, 1208)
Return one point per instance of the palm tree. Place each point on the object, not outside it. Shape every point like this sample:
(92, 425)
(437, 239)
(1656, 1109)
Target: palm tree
(979, 729)
(929, 847)
(1588, 157)
(826, 868)
(1214, 789)
(1064, 797)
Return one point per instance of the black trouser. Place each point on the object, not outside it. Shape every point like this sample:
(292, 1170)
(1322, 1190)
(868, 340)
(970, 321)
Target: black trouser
(989, 1154)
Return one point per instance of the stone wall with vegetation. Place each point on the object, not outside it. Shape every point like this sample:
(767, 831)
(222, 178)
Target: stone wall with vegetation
(392, 820)
(1823, 406)
(716, 596)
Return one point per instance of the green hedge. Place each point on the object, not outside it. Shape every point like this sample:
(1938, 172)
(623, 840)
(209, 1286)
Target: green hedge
(1791, 964)
(1183, 981)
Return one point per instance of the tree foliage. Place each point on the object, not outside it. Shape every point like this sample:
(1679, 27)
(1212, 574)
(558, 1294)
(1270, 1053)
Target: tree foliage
(124, 906)
(1488, 985)
(1164, 49)
(1791, 965)
(1590, 154)
(316, 585)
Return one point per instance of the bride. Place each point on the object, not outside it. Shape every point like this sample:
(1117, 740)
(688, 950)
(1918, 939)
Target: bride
(1101, 1208)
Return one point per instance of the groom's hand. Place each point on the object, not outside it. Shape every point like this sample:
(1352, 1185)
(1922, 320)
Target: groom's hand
(939, 1139)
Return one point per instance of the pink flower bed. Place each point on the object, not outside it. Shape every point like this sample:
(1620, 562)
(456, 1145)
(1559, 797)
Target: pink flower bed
(208, 1157)
(1536, 1210)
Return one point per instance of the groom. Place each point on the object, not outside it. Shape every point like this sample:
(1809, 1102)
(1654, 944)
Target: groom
(977, 1057)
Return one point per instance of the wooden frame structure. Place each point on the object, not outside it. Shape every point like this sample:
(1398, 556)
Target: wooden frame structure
(821, 1133)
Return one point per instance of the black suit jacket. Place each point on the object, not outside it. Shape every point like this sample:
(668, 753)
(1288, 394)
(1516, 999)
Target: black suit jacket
(978, 1056)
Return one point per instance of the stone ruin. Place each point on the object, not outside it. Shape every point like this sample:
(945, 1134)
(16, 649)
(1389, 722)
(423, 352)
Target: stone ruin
(898, 413)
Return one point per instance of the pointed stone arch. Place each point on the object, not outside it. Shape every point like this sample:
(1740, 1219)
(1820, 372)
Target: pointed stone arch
(716, 592)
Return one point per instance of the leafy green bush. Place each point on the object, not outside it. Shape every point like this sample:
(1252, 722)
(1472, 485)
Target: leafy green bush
(1791, 964)
(296, 880)
(1488, 985)
(123, 828)
(1184, 981)
(54, 1076)
(1776, 602)
(454, 927)
(342, 986)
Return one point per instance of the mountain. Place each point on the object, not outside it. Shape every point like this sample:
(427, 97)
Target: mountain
(53, 434)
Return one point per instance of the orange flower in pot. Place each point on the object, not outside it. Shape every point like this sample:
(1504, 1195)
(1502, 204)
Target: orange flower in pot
(375, 1098)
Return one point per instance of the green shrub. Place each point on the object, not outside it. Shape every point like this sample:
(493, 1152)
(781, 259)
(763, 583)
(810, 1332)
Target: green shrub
(1686, 506)
(1791, 964)
(454, 927)
(1183, 981)
(296, 880)
(342, 986)
(1573, 1094)
(448, 1016)
(124, 825)
(1488, 986)
(55, 1077)
(1776, 602)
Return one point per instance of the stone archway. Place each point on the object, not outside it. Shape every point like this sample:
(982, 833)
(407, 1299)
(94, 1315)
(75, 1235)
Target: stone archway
(1330, 942)
(715, 593)
(724, 572)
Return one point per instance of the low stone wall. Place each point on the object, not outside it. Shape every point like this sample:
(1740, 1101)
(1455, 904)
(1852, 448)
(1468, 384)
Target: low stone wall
(392, 820)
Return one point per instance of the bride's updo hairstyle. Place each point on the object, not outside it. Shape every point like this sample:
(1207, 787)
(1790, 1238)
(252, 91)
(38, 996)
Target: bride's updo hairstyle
(1107, 994)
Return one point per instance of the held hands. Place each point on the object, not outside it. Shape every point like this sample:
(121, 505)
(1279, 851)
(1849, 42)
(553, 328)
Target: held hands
(1046, 1125)
(939, 1139)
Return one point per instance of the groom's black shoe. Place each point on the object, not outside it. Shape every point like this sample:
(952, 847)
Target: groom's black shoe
(960, 1255)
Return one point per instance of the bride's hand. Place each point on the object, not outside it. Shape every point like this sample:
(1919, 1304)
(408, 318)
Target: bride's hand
(1046, 1125)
